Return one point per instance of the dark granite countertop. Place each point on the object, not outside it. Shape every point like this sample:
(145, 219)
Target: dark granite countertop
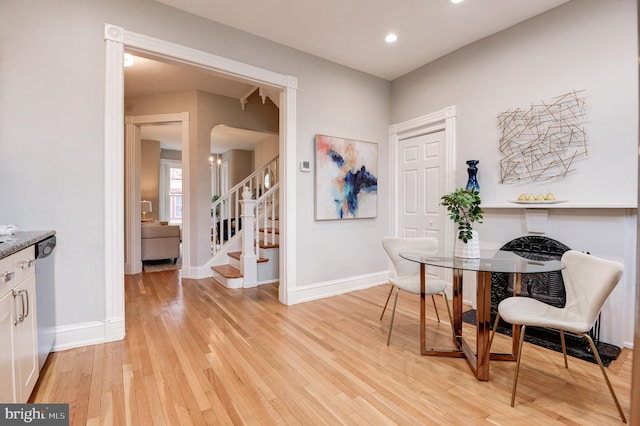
(13, 243)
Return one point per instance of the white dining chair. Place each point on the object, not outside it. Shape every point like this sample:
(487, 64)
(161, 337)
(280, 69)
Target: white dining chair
(407, 274)
(588, 281)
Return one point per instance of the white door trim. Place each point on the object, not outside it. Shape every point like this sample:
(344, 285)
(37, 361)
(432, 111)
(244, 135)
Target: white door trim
(116, 38)
(445, 120)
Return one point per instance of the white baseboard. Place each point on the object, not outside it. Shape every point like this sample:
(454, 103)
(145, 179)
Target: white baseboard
(89, 333)
(336, 287)
(196, 273)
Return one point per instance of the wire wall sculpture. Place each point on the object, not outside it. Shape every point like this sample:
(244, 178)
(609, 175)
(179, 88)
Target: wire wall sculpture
(543, 142)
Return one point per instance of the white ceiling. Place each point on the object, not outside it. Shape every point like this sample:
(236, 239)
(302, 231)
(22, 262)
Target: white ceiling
(351, 32)
(149, 77)
(348, 32)
(223, 138)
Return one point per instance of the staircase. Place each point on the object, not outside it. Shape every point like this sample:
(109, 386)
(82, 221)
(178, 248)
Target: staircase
(246, 256)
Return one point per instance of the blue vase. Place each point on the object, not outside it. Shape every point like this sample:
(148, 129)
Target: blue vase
(472, 170)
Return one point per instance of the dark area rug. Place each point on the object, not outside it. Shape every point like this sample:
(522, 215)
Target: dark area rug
(576, 346)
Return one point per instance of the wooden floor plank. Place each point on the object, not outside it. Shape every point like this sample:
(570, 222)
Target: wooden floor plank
(199, 353)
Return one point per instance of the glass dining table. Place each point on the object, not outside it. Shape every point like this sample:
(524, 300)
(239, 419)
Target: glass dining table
(489, 262)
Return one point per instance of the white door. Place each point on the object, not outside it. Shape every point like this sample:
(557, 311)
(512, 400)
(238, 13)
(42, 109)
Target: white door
(421, 184)
(421, 167)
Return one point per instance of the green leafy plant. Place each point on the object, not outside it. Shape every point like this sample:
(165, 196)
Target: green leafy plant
(213, 200)
(464, 209)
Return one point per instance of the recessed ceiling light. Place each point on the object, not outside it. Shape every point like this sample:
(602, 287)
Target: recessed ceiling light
(390, 38)
(128, 60)
(456, 1)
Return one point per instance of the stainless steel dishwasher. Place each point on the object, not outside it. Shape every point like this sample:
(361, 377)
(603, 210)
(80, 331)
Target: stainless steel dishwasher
(45, 297)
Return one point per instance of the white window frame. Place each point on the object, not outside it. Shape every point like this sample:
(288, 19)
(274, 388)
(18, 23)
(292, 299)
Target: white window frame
(165, 165)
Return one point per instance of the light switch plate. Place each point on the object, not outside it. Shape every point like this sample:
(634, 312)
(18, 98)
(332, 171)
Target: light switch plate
(305, 166)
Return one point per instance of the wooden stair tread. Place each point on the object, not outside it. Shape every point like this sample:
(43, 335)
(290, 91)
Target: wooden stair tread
(268, 246)
(227, 271)
(269, 230)
(236, 255)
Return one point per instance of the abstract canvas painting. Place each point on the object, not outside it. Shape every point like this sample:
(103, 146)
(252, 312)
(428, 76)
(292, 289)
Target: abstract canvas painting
(346, 178)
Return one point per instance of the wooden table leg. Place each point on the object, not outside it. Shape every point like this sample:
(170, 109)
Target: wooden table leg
(423, 319)
(483, 324)
(457, 301)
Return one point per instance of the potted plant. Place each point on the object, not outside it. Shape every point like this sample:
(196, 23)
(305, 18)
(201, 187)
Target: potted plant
(464, 209)
(213, 200)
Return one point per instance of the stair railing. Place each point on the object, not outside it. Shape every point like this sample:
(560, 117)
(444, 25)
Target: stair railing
(266, 214)
(225, 211)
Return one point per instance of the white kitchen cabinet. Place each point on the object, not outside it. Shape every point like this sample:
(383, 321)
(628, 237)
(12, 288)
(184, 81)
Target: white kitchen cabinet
(7, 385)
(18, 327)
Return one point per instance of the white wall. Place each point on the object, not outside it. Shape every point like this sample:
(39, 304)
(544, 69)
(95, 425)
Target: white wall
(150, 176)
(265, 151)
(586, 44)
(52, 135)
(334, 250)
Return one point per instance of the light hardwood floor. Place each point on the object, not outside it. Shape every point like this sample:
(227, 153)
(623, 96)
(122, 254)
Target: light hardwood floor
(198, 353)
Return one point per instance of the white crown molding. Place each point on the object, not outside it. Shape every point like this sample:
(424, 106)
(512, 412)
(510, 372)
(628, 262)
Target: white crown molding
(198, 58)
(114, 33)
(426, 122)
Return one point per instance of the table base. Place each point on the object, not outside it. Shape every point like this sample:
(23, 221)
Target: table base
(478, 358)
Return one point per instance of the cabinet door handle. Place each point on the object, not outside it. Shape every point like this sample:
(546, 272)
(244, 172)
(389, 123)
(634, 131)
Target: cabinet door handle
(21, 316)
(24, 306)
(25, 294)
(27, 264)
(6, 277)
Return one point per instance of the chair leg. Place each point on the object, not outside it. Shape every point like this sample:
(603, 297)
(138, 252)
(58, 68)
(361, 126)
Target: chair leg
(604, 374)
(393, 316)
(515, 377)
(564, 348)
(433, 299)
(387, 302)
(453, 331)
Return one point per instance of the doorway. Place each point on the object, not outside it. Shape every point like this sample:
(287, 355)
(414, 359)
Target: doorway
(133, 186)
(422, 168)
(116, 38)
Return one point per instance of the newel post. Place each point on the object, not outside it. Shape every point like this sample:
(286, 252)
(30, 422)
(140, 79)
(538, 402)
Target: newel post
(248, 258)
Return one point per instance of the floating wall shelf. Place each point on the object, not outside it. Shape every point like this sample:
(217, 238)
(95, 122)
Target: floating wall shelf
(567, 205)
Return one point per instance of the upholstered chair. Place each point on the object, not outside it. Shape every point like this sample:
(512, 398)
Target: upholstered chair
(588, 282)
(407, 273)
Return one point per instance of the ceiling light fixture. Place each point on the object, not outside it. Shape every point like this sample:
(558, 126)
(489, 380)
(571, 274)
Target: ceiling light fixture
(456, 1)
(128, 60)
(390, 38)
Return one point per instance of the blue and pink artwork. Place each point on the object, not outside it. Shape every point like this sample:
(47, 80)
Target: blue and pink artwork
(346, 178)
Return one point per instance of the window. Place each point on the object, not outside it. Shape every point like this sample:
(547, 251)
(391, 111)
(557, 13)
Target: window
(171, 191)
(175, 194)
